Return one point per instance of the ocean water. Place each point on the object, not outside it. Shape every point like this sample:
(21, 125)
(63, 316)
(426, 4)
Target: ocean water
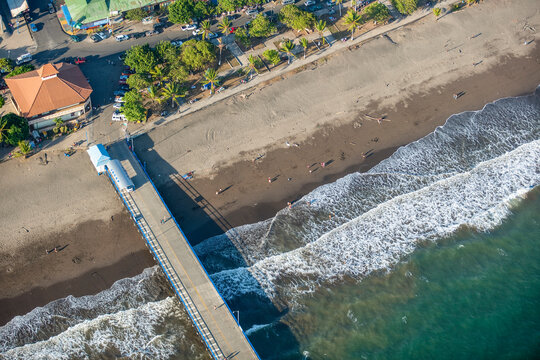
(433, 253)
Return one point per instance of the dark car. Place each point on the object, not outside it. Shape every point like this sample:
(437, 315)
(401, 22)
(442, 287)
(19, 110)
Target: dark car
(75, 38)
(51, 8)
(150, 33)
(124, 87)
(315, 7)
(95, 38)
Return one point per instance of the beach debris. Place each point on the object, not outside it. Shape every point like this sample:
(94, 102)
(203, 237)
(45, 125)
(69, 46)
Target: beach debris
(528, 42)
(378, 119)
(375, 139)
(476, 35)
(478, 63)
(259, 157)
(188, 176)
(458, 95)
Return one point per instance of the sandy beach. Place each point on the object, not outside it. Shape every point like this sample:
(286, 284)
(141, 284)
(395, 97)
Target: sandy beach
(296, 122)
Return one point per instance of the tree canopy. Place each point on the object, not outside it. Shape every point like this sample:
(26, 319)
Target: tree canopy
(405, 6)
(133, 108)
(6, 65)
(138, 81)
(20, 70)
(196, 55)
(261, 26)
(295, 18)
(136, 14)
(377, 11)
(241, 35)
(141, 58)
(167, 52)
(182, 11)
(13, 128)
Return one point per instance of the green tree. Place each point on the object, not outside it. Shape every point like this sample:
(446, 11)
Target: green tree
(205, 27)
(242, 37)
(2, 101)
(225, 26)
(136, 14)
(353, 20)
(377, 11)
(133, 107)
(221, 45)
(182, 11)
(272, 55)
(405, 7)
(13, 128)
(287, 47)
(211, 77)
(196, 55)
(178, 72)
(173, 91)
(437, 11)
(295, 18)
(166, 52)
(24, 148)
(339, 2)
(138, 81)
(141, 58)
(153, 94)
(320, 26)
(158, 73)
(6, 65)
(261, 26)
(304, 43)
(254, 63)
(60, 127)
(202, 9)
(20, 70)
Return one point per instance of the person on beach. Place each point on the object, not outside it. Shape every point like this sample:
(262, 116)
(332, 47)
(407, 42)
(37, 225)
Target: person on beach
(289, 204)
(219, 191)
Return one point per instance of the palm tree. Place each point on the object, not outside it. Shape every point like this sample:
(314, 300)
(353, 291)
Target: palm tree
(205, 27)
(157, 73)
(24, 148)
(253, 62)
(354, 20)
(153, 93)
(304, 43)
(173, 91)
(221, 45)
(211, 77)
(339, 3)
(225, 26)
(320, 26)
(287, 47)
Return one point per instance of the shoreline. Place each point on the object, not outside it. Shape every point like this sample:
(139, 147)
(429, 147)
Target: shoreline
(249, 198)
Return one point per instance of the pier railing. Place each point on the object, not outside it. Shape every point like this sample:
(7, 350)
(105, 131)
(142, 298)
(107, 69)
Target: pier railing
(165, 264)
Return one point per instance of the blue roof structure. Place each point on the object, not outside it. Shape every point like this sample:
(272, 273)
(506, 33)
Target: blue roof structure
(99, 157)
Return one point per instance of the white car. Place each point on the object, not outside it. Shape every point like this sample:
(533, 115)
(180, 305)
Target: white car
(254, 12)
(197, 32)
(118, 116)
(102, 35)
(188, 27)
(121, 37)
(117, 105)
(309, 2)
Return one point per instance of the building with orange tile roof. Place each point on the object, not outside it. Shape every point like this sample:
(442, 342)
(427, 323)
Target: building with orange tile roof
(50, 92)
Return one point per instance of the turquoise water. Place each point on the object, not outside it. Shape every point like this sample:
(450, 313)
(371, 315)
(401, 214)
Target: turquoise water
(471, 296)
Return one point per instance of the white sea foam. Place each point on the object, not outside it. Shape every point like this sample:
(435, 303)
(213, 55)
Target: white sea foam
(257, 327)
(155, 330)
(378, 239)
(57, 316)
(464, 141)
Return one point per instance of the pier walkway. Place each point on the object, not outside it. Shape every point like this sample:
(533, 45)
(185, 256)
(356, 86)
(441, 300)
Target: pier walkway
(210, 314)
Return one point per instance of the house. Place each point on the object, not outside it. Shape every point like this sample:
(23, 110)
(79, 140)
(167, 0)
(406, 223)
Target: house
(50, 92)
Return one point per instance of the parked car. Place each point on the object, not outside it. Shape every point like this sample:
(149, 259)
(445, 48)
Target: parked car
(122, 81)
(119, 99)
(150, 33)
(102, 35)
(95, 38)
(75, 38)
(213, 35)
(188, 27)
(118, 116)
(232, 30)
(137, 35)
(79, 60)
(33, 27)
(24, 58)
(310, 2)
(119, 93)
(124, 87)
(254, 12)
(315, 7)
(117, 105)
(177, 42)
(51, 8)
(124, 77)
(330, 3)
(197, 32)
(121, 37)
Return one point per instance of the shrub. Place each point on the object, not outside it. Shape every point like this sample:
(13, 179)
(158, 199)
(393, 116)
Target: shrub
(405, 6)
(272, 56)
(261, 27)
(377, 11)
(20, 70)
(136, 14)
(295, 18)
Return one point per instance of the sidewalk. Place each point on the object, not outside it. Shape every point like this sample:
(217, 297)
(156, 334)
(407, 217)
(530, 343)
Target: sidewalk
(18, 42)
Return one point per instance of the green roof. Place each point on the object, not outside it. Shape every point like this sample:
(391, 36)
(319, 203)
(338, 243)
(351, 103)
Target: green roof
(85, 11)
